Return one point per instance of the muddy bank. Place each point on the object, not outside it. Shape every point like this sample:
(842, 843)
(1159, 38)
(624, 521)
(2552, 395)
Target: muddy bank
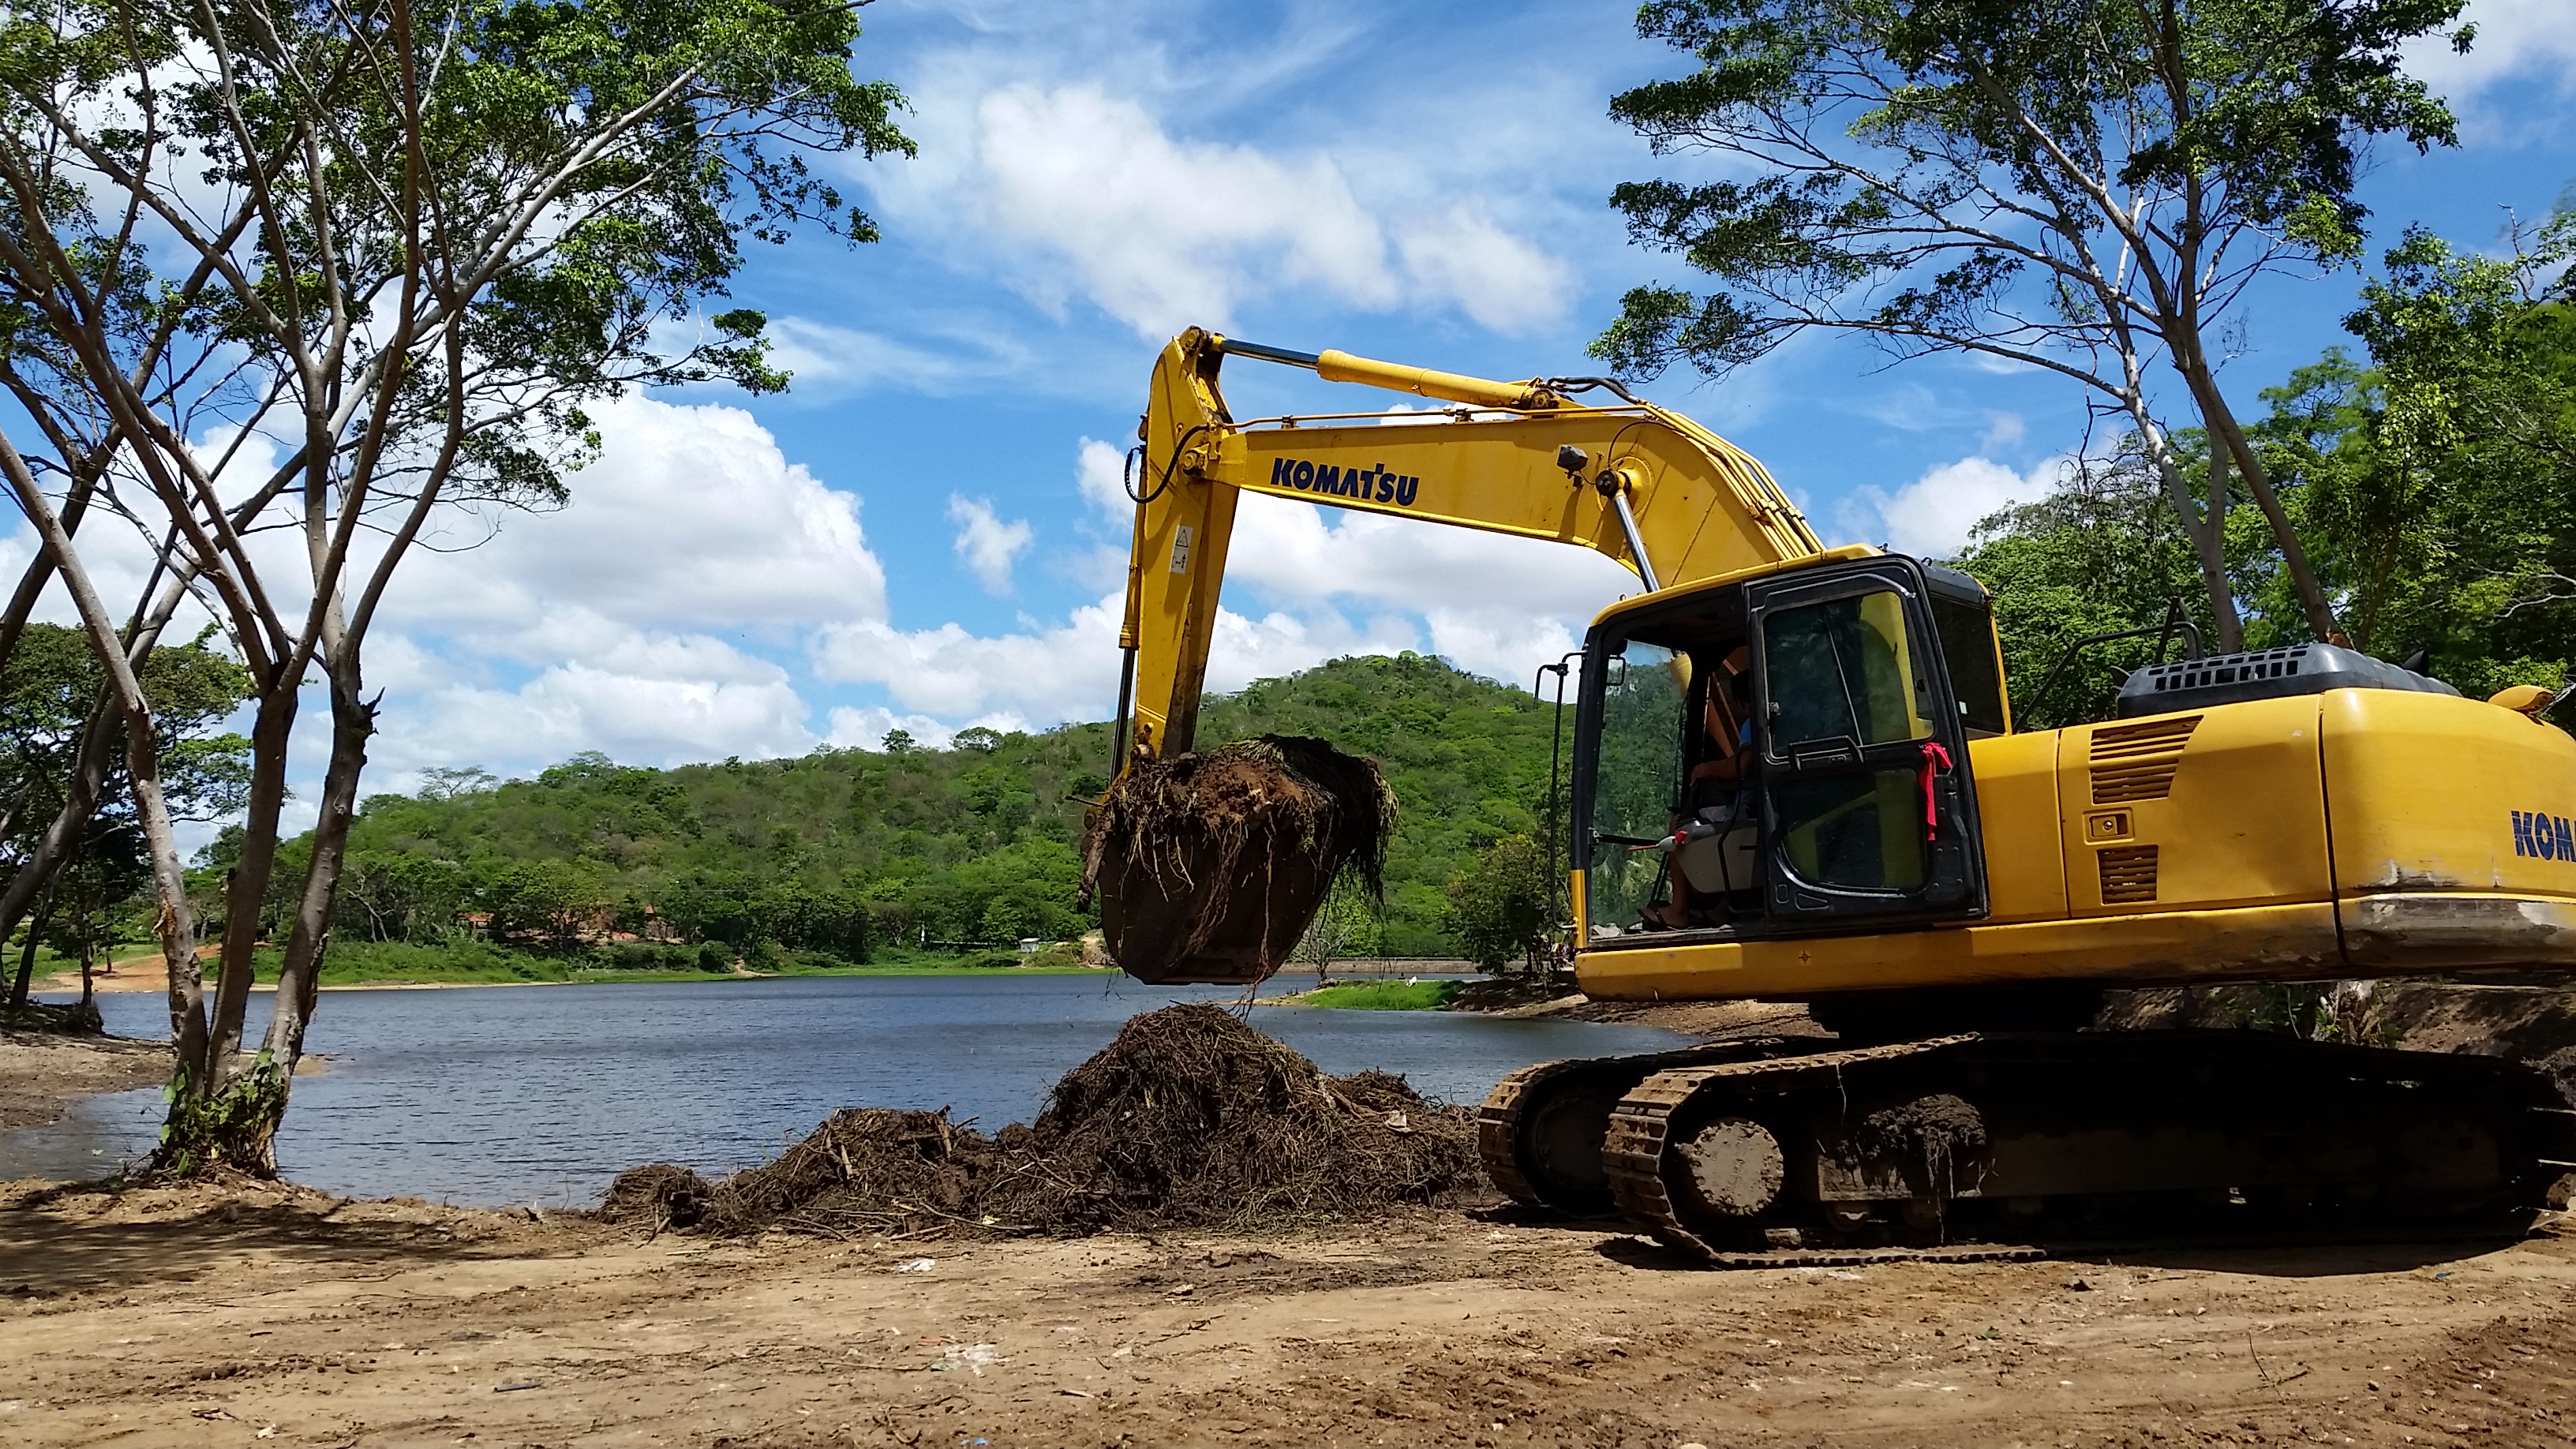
(201, 1317)
(41, 1074)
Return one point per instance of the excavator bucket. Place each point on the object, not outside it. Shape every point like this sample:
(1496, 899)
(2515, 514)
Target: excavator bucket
(1208, 866)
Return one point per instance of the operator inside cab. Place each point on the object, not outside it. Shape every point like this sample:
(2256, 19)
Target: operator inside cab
(1715, 837)
(1788, 753)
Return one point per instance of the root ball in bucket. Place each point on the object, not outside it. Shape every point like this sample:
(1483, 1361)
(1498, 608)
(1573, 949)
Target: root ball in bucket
(1209, 865)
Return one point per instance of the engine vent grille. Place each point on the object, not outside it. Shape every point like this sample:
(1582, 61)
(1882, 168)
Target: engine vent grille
(2137, 762)
(2128, 875)
(2227, 669)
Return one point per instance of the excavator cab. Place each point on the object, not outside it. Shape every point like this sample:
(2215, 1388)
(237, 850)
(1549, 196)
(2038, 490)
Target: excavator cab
(1853, 807)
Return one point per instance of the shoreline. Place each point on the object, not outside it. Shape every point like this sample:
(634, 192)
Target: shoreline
(128, 985)
(125, 983)
(42, 1074)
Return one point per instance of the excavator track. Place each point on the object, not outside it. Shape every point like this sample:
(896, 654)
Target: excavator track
(1540, 1129)
(2010, 1146)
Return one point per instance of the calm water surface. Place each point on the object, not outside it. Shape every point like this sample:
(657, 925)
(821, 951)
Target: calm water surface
(504, 1095)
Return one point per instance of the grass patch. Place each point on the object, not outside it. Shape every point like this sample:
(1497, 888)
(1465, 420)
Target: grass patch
(1384, 996)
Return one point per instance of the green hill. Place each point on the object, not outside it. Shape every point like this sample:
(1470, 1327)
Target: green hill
(846, 849)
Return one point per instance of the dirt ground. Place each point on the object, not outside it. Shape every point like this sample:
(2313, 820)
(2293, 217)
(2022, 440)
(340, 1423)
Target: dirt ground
(250, 1316)
(41, 1074)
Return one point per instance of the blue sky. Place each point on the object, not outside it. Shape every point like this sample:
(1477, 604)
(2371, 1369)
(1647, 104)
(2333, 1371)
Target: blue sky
(925, 532)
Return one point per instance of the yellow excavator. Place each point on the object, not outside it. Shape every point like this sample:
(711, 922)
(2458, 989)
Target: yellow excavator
(1795, 777)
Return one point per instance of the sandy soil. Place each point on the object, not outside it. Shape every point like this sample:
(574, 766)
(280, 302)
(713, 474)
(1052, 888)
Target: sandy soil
(41, 1074)
(218, 1317)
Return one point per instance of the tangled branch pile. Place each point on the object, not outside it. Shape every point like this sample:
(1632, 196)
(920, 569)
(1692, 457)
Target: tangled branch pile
(1189, 1119)
(1209, 865)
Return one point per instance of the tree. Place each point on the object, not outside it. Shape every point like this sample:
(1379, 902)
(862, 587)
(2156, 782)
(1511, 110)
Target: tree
(406, 250)
(2441, 478)
(2102, 553)
(1336, 931)
(2081, 186)
(1499, 907)
(49, 724)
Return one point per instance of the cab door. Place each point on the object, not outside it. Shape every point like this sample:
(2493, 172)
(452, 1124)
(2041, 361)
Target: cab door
(1869, 811)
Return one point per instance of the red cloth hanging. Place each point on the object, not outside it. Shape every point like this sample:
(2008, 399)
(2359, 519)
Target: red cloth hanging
(1936, 760)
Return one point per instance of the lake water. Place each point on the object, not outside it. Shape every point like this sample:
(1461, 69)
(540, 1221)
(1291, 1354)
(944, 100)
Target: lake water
(500, 1095)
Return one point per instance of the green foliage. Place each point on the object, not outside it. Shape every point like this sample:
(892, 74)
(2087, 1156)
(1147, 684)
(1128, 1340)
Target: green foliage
(2101, 553)
(2435, 485)
(2440, 481)
(232, 1127)
(1384, 996)
(850, 853)
(1882, 141)
(1500, 908)
(1345, 926)
(48, 685)
(1467, 759)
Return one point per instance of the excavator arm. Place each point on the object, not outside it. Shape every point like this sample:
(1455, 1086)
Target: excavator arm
(1664, 496)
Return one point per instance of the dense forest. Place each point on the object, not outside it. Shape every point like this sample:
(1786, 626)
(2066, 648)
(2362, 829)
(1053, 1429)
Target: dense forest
(846, 851)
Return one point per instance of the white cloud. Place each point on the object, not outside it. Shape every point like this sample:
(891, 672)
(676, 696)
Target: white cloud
(1159, 232)
(691, 519)
(1305, 585)
(690, 522)
(1494, 604)
(1100, 471)
(985, 544)
(827, 359)
(1932, 516)
(2515, 39)
(1496, 278)
(1069, 671)
(659, 701)
(1086, 194)
(1043, 675)
(867, 728)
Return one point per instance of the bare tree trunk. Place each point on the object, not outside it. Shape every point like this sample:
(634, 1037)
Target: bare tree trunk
(40, 572)
(27, 958)
(97, 755)
(2216, 416)
(353, 721)
(246, 888)
(2206, 528)
(172, 924)
(2231, 629)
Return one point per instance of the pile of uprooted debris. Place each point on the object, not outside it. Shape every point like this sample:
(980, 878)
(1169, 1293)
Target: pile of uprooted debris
(1189, 1119)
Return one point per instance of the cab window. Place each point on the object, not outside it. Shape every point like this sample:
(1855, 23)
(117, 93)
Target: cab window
(1840, 672)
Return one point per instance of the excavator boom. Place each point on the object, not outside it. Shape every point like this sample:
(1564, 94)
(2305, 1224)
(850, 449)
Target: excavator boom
(1659, 493)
